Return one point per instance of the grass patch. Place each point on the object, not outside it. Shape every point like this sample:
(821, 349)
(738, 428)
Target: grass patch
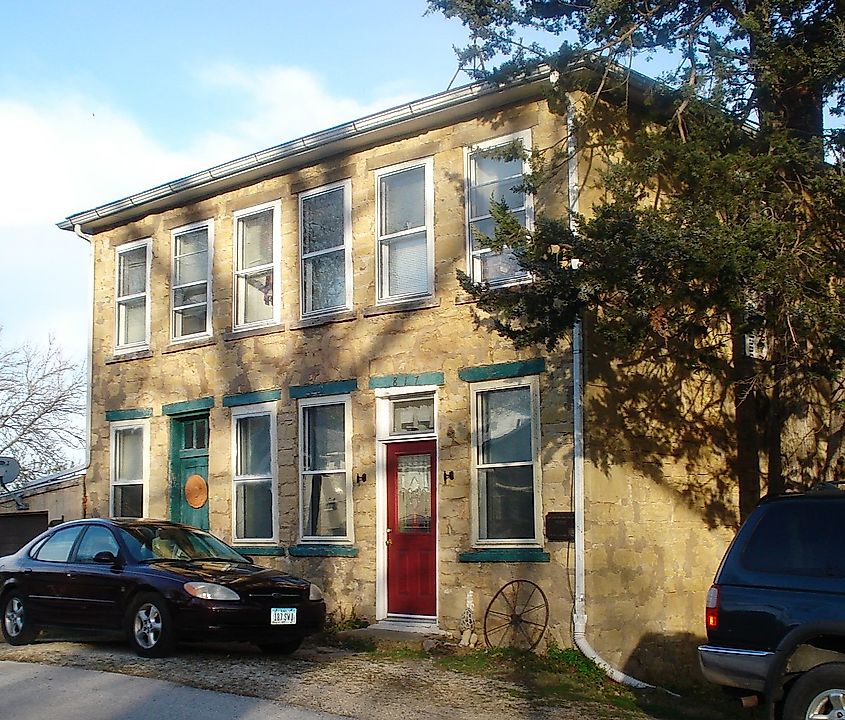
(566, 675)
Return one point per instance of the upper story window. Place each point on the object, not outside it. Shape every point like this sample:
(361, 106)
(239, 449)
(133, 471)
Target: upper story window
(506, 461)
(256, 259)
(254, 476)
(325, 236)
(325, 431)
(191, 280)
(492, 179)
(129, 468)
(405, 231)
(132, 318)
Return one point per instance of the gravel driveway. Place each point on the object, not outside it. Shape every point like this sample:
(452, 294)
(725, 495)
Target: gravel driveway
(323, 678)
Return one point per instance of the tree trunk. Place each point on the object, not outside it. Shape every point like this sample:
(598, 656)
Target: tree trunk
(747, 428)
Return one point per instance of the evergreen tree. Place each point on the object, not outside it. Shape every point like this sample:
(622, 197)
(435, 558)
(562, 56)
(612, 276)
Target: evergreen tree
(723, 219)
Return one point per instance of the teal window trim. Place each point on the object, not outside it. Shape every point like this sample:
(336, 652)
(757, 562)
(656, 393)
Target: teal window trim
(133, 414)
(391, 381)
(501, 371)
(340, 387)
(251, 398)
(188, 406)
(323, 551)
(503, 555)
(259, 550)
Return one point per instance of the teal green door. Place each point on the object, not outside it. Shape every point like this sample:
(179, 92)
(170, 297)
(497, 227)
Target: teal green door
(189, 470)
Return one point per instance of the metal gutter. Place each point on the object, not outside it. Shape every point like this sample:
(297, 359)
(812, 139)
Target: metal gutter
(442, 108)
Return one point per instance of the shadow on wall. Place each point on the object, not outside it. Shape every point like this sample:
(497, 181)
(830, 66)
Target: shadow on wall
(668, 661)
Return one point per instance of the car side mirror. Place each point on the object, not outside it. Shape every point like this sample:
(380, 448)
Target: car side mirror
(105, 557)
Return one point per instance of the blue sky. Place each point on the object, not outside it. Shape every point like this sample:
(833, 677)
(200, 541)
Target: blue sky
(101, 99)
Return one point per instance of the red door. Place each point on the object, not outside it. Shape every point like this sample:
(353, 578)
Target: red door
(411, 528)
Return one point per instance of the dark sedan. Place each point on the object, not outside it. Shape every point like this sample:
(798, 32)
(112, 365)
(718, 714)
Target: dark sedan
(159, 582)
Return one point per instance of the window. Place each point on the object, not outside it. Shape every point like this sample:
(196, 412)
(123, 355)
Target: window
(412, 416)
(492, 179)
(191, 281)
(506, 465)
(132, 320)
(325, 468)
(254, 473)
(405, 231)
(256, 253)
(796, 539)
(97, 539)
(130, 453)
(325, 237)
(58, 546)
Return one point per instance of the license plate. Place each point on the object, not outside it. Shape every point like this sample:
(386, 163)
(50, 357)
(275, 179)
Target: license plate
(283, 616)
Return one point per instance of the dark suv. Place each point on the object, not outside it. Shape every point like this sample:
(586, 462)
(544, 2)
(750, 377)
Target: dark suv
(776, 611)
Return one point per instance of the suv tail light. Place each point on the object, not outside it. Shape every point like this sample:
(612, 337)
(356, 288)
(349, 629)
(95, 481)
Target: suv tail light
(711, 614)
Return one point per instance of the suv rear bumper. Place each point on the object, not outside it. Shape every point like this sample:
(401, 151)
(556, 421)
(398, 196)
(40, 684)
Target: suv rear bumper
(745, 669)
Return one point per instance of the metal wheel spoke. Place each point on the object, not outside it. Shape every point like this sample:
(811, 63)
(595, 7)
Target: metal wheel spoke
(499, 614)
(531, 622)
(527, 637)
(836, 700)
(498, 627)
(536, 607)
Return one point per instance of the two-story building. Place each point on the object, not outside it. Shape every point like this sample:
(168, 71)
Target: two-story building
(281, 352)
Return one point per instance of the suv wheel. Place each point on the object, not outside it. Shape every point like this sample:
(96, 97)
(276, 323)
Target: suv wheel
(818, 695)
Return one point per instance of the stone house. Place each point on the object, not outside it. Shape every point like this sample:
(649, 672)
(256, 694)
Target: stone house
(282, 354)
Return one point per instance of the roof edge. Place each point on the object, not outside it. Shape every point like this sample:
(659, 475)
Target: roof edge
(354, 129)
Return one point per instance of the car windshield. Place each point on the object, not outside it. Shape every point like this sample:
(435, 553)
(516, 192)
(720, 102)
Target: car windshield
(152, 542)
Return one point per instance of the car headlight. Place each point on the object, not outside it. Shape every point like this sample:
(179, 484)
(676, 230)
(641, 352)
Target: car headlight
(210, 591)
(315, 593)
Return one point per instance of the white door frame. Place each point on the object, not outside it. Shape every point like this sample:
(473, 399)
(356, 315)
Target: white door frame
(384, 397)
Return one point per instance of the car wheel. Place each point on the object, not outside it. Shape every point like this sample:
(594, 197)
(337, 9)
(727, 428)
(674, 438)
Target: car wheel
(284, 647)
(818, 694)
(149, 626)
(17, 628)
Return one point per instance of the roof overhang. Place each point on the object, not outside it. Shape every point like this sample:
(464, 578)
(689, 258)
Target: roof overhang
(407, 119)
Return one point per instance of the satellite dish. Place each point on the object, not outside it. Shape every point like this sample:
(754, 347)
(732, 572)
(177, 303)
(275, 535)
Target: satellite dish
(9, 469)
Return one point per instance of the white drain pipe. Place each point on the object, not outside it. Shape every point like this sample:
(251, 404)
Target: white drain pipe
(579, 612)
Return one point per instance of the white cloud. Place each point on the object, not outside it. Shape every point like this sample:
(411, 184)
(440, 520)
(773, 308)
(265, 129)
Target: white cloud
(75, 152)
(283, 103)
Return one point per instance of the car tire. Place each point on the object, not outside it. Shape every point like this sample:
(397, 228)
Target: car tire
(818, 693)
(284, 647)
(16, 625)
(149, 626)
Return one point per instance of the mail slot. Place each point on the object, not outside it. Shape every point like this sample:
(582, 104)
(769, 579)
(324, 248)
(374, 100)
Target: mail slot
(560, 526)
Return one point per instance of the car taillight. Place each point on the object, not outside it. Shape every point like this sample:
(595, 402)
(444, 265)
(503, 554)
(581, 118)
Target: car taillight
(711, 614)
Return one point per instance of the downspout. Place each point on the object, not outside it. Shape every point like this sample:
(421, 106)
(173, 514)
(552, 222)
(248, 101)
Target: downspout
(579, 612)
(90, 361)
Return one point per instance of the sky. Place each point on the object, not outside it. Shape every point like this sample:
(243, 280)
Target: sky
(100, 99)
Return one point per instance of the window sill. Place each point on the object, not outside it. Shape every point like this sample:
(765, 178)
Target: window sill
(407, 306)
(344, 316)
(252, 332)
(127, 356)
(259, 550)
(502, 555)
(464, 299)
(323, 551)
(188, 345)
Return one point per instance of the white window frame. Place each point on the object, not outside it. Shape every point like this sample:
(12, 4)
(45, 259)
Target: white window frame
(245, 411)
(476, 389)
(114, 428)
(346, 186)
(209, 224)
(274, 265)
(346, 401)
(473, 265)
(382, 273)
(121, 299)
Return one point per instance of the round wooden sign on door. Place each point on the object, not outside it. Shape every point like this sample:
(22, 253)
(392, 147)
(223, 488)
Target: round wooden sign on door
(196, 491)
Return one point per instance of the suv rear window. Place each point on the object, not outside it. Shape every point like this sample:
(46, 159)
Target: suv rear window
(798, 538)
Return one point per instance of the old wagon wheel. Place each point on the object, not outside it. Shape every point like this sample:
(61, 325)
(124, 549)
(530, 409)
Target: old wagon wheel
(517, 616)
